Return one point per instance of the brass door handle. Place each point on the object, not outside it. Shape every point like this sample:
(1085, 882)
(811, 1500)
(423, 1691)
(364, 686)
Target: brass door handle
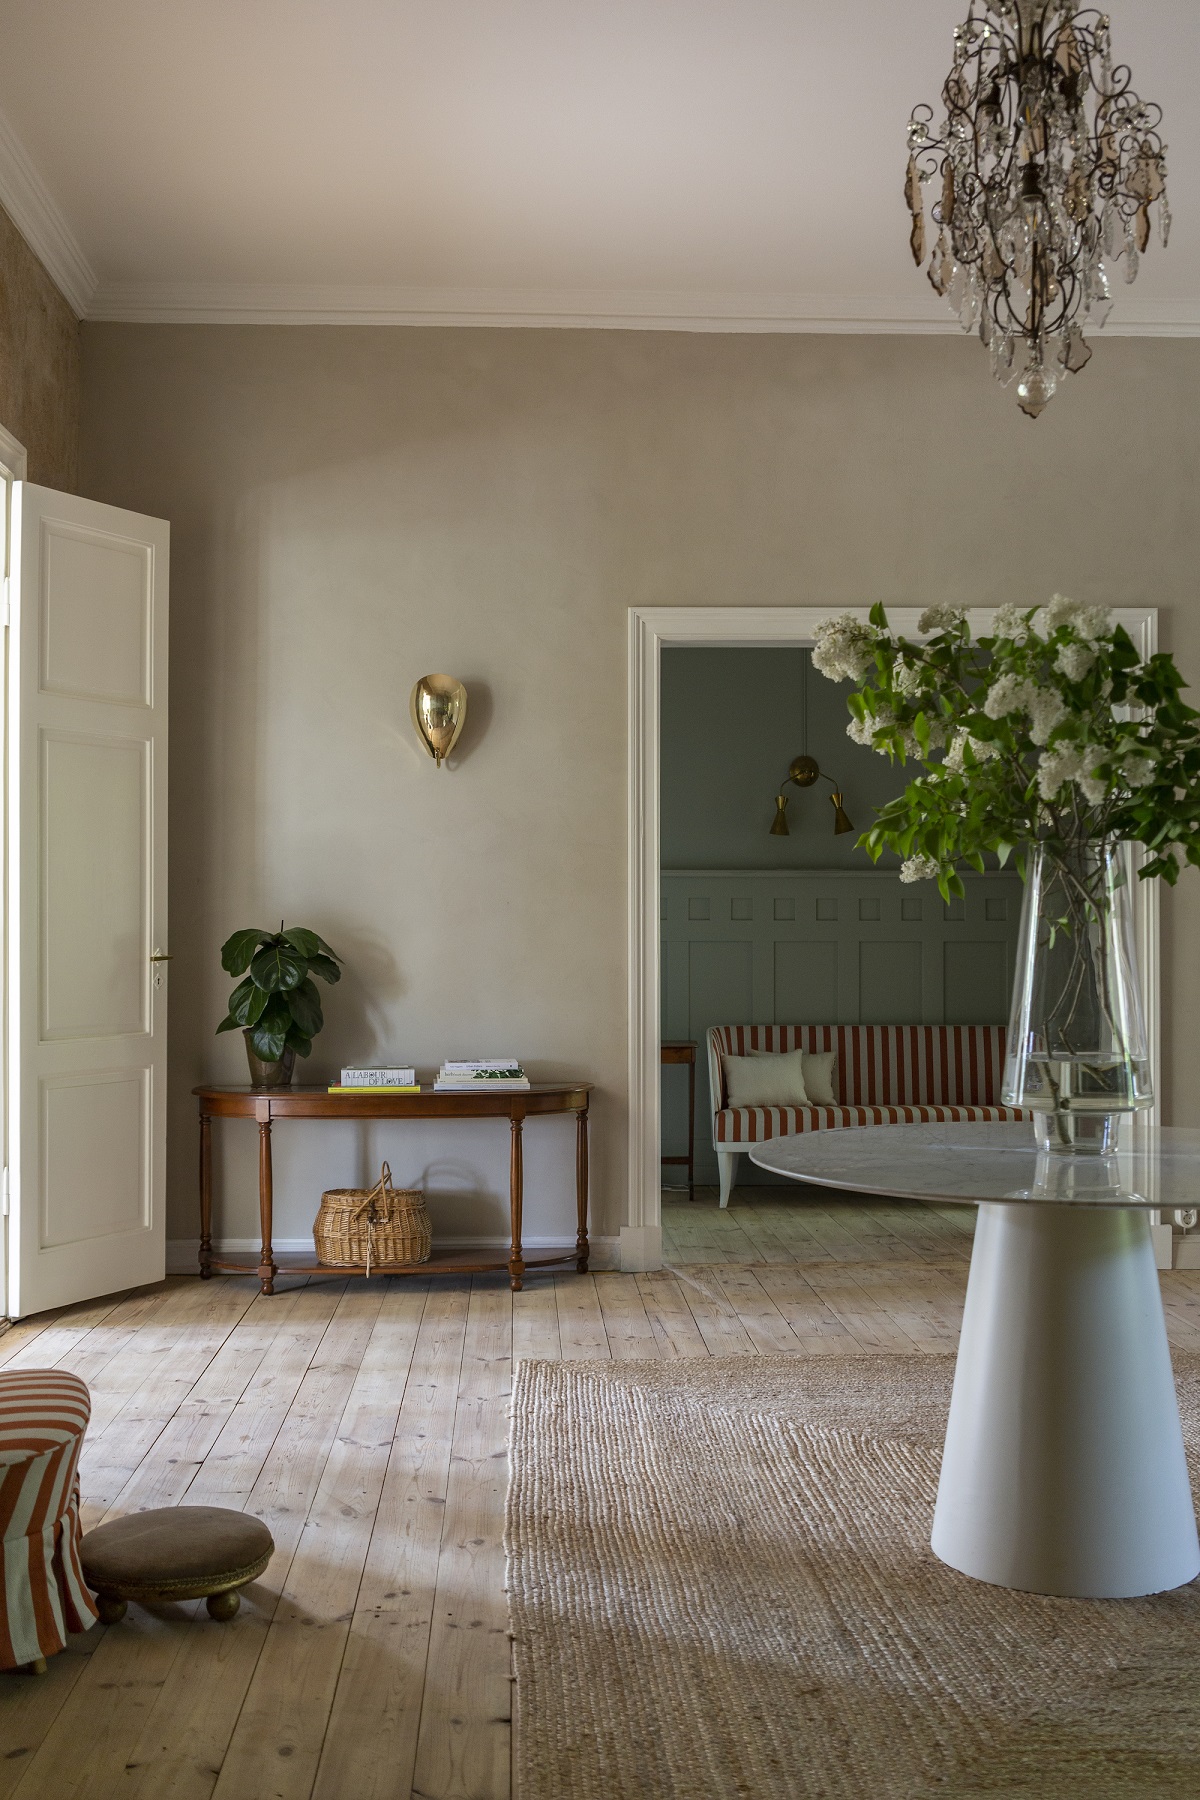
(158, 956)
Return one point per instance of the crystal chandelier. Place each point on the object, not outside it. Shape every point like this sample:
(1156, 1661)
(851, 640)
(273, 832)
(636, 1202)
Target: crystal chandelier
(1045, 169)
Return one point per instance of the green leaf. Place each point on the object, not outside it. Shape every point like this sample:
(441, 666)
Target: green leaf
(278, 968)
(246, 1003)
(269, 1035)
(237, 950)
(327, 948)
(227, 1025)
(268, 1041)
(306, 942)
(304, 1004)
(325, 967)
(297, 1041)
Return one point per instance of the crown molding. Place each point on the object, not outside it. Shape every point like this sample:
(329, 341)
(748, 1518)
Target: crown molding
(219, 303)
(42, 223)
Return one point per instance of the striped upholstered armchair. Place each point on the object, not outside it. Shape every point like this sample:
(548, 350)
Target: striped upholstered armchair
(882, 1075)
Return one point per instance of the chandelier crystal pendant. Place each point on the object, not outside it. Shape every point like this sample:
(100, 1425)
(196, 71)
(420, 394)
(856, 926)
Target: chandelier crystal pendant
(1044, 172)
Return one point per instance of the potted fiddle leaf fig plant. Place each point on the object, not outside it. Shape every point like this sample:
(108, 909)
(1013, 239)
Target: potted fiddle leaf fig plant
(276, 1006)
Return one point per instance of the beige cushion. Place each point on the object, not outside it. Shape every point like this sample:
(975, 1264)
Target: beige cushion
(774, 1078)
(173, 1546)
(817, 1066)
(817, 1070)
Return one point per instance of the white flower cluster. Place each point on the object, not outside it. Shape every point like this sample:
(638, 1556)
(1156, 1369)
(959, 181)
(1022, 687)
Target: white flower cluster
(844, 648)
(862, 731)
(1046, 710)
(1045, 706)
(1009, 694)
(940, 618)
(1074, 660)
(908, 678)
(1058, 766)
(1010, 622)
(920, 868)
(1088, 622)
(1138, 770)
(1081, 764)
(980, 750)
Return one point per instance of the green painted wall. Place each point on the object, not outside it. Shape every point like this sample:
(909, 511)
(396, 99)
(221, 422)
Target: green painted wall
(732, 720)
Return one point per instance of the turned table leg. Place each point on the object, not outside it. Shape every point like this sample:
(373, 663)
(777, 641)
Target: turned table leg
(205, 1197)
(266, 1261)
(581, 1189)
(516, 1183)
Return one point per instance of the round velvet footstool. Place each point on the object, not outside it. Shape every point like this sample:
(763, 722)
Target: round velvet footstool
(175, 1553)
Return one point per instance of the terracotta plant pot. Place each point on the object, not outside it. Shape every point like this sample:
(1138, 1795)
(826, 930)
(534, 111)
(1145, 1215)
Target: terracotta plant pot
(269, 1074)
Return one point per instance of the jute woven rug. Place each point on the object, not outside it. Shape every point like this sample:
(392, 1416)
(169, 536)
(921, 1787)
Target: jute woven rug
(721, 1585)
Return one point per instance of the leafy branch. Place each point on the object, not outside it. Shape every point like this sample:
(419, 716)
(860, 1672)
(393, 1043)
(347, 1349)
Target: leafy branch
(1052, 730)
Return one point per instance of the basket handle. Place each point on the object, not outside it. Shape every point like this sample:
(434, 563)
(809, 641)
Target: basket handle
(382, 1187)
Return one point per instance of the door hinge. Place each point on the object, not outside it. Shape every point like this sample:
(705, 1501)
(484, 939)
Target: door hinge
(4, 1193)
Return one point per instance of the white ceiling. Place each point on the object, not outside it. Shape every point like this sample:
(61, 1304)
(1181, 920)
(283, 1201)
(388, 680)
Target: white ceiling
(714, 163)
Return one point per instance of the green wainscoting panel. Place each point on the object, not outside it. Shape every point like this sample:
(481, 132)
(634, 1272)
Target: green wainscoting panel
(823, 947)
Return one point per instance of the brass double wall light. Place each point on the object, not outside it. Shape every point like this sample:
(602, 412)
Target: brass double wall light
(803, 772)
(438, 705)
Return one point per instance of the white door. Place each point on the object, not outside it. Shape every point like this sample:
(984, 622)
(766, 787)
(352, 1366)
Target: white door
(87, 900)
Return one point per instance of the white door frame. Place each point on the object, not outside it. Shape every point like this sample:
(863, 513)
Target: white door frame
(13, 467)
(747, 627)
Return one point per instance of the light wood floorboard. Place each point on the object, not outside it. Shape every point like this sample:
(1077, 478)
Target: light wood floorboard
(367, 1423)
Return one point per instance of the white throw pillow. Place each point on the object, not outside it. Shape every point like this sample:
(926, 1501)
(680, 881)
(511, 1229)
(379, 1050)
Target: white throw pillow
(818, 1077)
(817, 1069)
(771, 1078)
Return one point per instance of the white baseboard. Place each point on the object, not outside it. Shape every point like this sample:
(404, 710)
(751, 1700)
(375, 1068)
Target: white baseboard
(183, 1254)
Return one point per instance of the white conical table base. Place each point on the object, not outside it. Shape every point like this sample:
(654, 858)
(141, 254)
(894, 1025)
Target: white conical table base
(1064, 1470)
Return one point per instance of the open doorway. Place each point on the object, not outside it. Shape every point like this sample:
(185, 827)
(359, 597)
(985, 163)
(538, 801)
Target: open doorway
(654, 632)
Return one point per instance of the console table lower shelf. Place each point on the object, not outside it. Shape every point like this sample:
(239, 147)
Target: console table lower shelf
(266, 1105)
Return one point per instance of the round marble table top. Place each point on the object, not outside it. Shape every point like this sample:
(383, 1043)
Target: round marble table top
(970, 1163)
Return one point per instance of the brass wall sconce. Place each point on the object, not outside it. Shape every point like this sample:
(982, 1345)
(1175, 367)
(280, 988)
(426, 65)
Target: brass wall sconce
(438, 705)
(803, 772)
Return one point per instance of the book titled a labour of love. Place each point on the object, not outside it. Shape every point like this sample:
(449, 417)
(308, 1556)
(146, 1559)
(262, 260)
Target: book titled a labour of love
(385, 1080)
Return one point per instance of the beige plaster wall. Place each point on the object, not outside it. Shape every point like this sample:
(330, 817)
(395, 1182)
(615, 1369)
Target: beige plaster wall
(352, 508)
(39, 363)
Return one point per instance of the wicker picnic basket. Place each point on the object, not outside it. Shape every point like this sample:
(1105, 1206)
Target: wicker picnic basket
(383, 1224)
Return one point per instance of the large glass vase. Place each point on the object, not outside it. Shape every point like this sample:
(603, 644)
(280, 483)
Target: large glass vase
(1077, 1050)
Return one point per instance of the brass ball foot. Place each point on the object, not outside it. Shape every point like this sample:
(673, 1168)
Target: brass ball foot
(223, 1606)
(37, 1666)
(111, 1610)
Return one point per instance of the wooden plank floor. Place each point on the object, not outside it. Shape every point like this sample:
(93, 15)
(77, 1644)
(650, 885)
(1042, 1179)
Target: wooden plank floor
(367, 1423)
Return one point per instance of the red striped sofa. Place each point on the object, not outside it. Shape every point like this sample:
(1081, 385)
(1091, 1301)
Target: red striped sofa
(883, 1075)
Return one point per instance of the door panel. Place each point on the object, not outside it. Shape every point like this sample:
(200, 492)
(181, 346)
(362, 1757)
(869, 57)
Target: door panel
(95, 969)
(97, 616)
(87, 899)
(83, 1199)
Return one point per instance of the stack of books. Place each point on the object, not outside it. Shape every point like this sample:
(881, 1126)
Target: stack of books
(378, 1080)
(503, 1073)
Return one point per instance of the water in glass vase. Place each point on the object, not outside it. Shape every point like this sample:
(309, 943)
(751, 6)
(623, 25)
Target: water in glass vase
(1077, 1050)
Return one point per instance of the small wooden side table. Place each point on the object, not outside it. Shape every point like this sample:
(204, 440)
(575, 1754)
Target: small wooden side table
(266, 1105)
(684, 1051)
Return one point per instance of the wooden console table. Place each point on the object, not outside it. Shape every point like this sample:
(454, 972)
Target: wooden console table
(265, 1105)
